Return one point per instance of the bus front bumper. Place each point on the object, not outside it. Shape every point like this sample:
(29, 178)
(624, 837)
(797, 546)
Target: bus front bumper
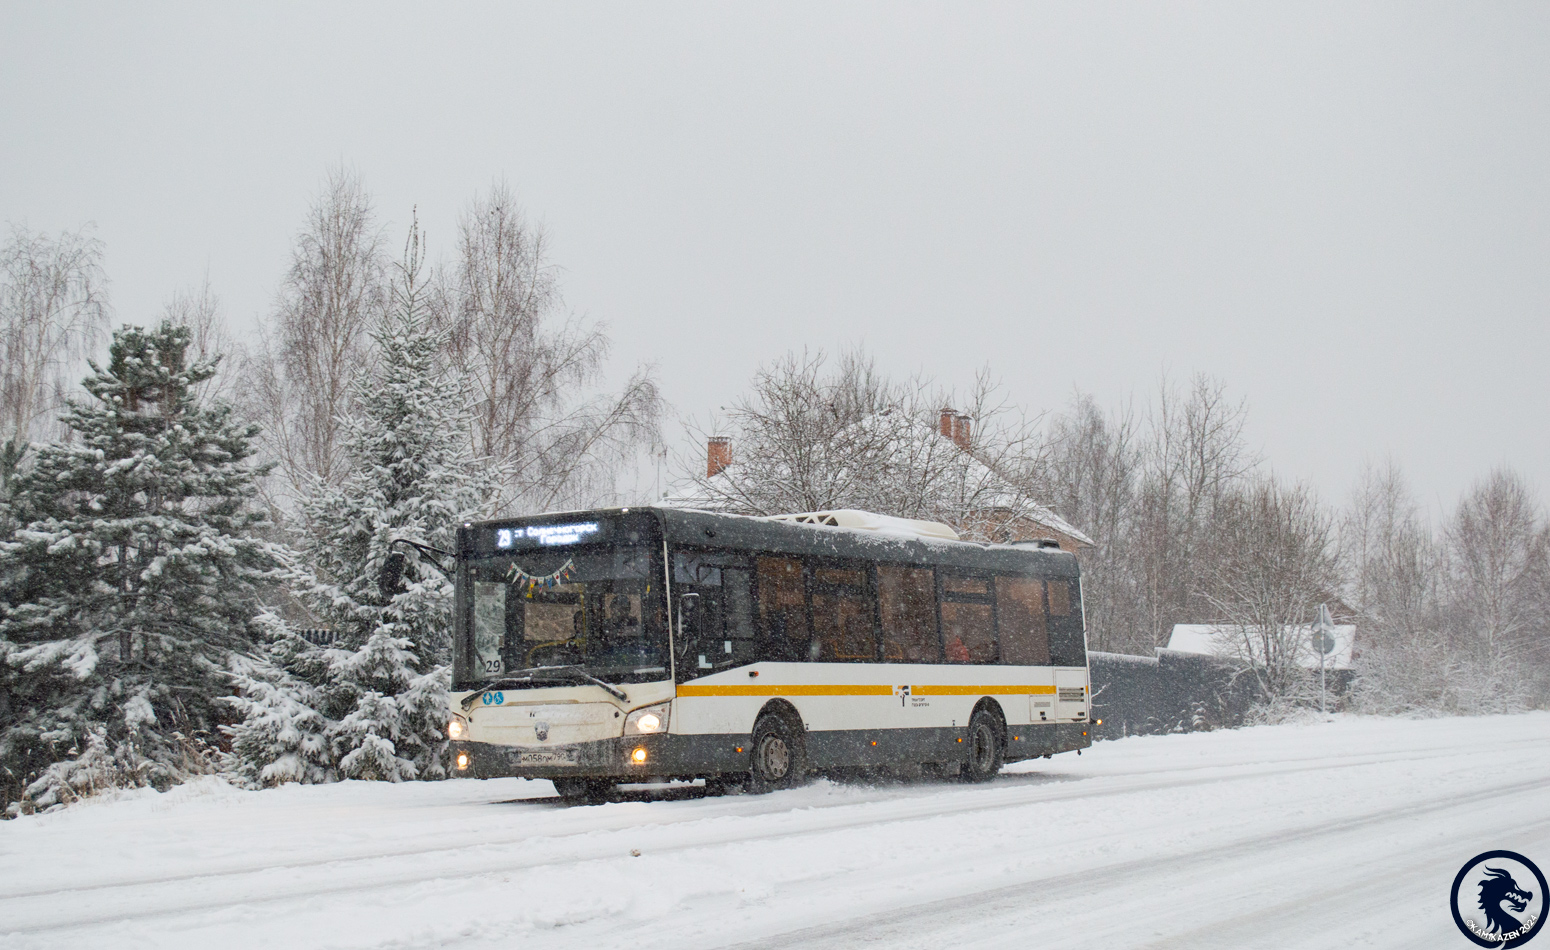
(622, 759)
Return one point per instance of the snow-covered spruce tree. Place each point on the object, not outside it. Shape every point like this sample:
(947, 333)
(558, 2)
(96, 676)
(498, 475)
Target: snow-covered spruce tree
(373, 704)
(129, 575)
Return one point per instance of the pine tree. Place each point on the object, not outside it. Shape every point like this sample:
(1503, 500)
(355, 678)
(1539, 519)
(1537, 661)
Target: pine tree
(373, 705)
(129, 576)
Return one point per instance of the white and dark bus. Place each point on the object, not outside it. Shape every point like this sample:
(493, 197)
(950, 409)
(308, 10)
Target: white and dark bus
(643, 644)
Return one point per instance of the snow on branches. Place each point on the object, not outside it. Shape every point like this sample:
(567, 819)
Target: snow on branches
(372, 704)
(129, 574)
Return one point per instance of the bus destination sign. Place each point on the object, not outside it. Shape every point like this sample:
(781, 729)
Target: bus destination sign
(547, 534)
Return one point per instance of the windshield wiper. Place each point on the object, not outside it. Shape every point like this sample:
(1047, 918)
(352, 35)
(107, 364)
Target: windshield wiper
(530, 676)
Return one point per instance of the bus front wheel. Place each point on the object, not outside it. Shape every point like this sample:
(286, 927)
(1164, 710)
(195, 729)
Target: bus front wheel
(779, 760)
(985, 752)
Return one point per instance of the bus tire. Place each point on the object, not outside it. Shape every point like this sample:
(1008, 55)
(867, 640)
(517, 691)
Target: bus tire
(985, 749)
(778, 758)
(589, 790)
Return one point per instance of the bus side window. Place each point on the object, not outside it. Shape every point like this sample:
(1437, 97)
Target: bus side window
(1020, 617)
(842, 616)
(907, 598)
(968, 623)
(1066, 644)
(782, 608)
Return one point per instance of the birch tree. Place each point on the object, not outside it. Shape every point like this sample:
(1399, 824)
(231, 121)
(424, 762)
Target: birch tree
(533, 371)
(298, 383)
(1273, 561)
(209, 340)
(53, 312)
(1095, 472)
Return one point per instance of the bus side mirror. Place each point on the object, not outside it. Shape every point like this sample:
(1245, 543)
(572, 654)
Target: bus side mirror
(391, 575)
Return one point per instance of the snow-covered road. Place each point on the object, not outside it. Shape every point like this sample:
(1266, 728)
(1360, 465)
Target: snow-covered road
(1339, 834)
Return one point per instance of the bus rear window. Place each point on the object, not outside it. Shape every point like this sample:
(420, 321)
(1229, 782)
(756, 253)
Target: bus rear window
(1020, 611)
(782, 607)
(1060, 598)
(907, 596)
(842, 618)
(968, 633)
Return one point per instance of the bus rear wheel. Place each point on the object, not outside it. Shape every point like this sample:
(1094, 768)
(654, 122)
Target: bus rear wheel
(779, 761)
(985, 752)
(589, 790)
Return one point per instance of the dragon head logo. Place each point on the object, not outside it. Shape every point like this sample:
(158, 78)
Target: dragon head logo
(1506, 904)
(1497, 889)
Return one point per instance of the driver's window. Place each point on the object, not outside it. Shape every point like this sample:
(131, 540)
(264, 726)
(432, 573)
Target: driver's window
(617, 618)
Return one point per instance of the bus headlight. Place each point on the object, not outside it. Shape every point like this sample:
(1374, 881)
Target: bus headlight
(646, 720)
(456, 728)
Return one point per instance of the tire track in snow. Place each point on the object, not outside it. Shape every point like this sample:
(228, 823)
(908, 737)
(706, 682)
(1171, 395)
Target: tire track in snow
(915, 924)
(132, 903)
(1094, 786)
(907, 808)
(1343, 906)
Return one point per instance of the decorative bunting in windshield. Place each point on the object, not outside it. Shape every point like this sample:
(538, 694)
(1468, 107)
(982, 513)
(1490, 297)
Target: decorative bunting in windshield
(526, 581)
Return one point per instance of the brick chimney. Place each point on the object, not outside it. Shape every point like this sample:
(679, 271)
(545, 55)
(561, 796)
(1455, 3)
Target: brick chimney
(961, 432)
(718, 455)
(947, 422)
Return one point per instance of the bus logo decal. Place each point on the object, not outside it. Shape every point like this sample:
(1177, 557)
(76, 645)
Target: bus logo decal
(903, 692)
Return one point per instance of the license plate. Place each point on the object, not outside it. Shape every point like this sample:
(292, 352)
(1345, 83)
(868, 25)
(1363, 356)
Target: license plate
(556, 757)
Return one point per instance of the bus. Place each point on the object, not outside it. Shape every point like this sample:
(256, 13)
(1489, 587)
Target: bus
(635, 645)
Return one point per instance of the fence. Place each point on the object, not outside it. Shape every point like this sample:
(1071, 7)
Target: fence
(1139, 695)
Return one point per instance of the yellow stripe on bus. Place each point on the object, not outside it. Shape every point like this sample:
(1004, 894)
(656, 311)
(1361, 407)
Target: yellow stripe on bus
(775, 689)
(978, 690)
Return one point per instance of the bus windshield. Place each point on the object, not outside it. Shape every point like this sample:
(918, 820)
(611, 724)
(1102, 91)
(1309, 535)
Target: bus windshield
(597, 609)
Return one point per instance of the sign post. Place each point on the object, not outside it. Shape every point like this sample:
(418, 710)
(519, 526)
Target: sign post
(1323, 642)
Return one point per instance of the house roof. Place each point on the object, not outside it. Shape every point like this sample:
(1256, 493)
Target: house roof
(1207, 639)
(1000, 496)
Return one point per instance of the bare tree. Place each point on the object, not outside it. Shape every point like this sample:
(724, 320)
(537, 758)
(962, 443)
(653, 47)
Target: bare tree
(1498, 557)
(1389, 560)
(1194, 453)
(298, 385)
(1273, 560)
(809, 436)
(1458, 626)
(1094, 475)
(53, 312)
(533, 372)
(199, 309)
(805, 439)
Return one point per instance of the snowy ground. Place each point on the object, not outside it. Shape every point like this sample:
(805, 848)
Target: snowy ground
(1320, 835)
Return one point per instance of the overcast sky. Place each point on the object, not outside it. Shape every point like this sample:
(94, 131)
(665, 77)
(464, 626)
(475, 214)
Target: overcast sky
(1340, 210)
